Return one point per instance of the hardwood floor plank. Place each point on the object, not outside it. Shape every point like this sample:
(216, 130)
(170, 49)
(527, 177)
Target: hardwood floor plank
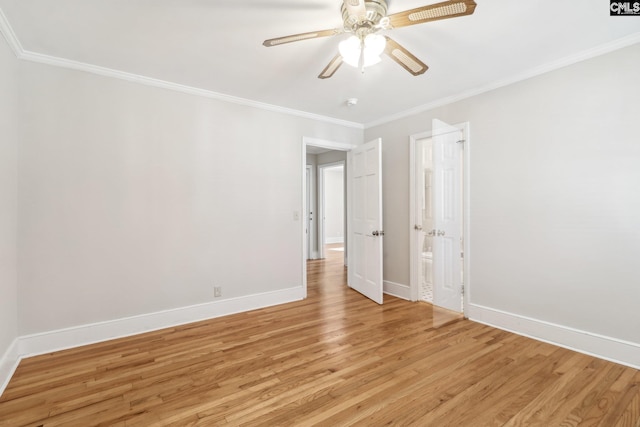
(625, 413)
(541, 378)
(603, 406)
(333, 359)
(591, 396)
(631, 415)
(539, 409)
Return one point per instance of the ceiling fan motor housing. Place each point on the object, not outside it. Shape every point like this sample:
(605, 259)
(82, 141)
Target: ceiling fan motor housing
(376, 10)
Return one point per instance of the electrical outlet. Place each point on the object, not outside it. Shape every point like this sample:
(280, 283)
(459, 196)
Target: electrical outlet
(217, 291)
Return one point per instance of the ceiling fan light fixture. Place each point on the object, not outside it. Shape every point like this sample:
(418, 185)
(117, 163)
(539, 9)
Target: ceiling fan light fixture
(362, 19)
(375, 43)
(352, 48)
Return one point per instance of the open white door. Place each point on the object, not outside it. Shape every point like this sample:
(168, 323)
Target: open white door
(365, 215)
(447, 196)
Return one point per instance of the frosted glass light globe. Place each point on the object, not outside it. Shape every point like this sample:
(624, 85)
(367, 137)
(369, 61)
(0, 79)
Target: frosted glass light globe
(350, 49)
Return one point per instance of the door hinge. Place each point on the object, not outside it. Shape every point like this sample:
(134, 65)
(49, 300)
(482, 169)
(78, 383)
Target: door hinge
(462, 290)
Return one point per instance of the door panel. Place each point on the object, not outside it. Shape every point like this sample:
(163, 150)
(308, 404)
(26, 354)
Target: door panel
(365, 238)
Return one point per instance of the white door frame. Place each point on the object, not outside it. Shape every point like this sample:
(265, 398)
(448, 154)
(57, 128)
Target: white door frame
(466, 197)
(331, 145)
(321, 205)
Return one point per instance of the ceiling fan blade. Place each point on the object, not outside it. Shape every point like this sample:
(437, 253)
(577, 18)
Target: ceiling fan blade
(298, 37)
(405, 58)
(432, 12)
(331, 68)
(355, 9)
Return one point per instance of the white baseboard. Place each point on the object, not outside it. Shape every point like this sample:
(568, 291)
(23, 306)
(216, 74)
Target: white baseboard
(332, 240)
(397, 290)
(62, 339)
(615, 350)
(8, 364)
(608, 348)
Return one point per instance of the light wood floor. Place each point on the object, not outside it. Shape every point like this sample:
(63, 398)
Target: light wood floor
(334, 359)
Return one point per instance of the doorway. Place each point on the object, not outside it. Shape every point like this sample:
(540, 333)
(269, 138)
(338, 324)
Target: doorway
(311, 148)
(424, 225)
(439, 255)
(364, 233)
(332, 212)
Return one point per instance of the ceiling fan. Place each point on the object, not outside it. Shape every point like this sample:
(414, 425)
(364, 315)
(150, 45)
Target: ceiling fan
(364, 19)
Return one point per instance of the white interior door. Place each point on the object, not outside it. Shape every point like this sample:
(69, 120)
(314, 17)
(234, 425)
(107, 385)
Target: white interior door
(447, 196)
(365, 214)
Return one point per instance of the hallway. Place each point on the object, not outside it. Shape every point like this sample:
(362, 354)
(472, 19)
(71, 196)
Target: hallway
(329, 275)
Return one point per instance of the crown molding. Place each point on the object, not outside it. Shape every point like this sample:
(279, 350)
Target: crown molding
(534, 72)
(9, 35)
(163, 84)
(14, 43)
(21, 53)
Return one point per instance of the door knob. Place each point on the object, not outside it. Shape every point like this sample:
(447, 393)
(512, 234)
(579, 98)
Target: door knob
(417, 227)
(440, 232)
(377, 233)
(432, 233)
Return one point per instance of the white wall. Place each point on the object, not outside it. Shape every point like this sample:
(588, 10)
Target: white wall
(555, 199)
(135, 199)
(8, 200)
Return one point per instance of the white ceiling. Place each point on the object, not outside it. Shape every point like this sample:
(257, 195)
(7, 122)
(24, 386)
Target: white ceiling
(216, 45)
